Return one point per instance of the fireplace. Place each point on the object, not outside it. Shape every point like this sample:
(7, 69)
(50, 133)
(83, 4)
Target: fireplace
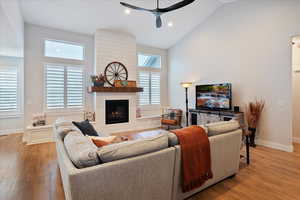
(116, 111)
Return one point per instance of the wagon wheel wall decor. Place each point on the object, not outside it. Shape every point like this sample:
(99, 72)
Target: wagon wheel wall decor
(115, 71)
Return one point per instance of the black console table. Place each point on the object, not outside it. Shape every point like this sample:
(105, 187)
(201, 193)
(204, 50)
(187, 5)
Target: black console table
(198, 117)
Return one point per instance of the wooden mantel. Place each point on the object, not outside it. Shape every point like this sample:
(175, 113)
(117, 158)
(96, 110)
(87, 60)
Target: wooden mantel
(115, 89)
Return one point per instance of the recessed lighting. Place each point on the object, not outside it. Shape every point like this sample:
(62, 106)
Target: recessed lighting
(170, 24)
(127, 11)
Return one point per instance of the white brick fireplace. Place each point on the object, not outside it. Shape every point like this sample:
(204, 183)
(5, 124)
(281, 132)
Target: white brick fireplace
(116, 46)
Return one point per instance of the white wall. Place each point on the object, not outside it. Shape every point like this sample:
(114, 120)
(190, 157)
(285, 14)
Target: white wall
(34, 69)
(296, 89)
(247, 43)
(11, 53)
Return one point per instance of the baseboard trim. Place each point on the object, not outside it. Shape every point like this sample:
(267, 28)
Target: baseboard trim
(296, 139)
(274, 145)
(11, 131)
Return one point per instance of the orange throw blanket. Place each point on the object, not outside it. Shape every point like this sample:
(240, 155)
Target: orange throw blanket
(195, 156)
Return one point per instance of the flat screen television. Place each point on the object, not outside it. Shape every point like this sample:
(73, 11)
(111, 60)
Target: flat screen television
(213, 97)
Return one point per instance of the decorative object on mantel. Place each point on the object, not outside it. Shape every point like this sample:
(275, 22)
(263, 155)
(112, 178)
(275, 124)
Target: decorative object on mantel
(39, 119)
(253, 113)
(186, 85)
(126, 83)
(98, 80)
(115, 71)
(115, 89)
(88, 115)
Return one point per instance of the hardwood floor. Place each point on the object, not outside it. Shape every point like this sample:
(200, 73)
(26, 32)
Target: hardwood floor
(31, 173)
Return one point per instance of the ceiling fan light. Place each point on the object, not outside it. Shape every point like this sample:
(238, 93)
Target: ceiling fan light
(170, 24)
(127, 11)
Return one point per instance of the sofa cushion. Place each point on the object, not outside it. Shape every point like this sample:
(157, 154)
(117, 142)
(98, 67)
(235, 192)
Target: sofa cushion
(222, 127)
(173, 141)
(132, 148)
(86, 128)
(81, 150)
(61, 132)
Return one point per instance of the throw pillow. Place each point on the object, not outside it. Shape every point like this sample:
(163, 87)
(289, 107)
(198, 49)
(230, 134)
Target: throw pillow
(102, 141)
(86, 128)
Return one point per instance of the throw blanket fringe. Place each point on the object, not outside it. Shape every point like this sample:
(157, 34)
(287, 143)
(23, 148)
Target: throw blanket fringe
(195, 156)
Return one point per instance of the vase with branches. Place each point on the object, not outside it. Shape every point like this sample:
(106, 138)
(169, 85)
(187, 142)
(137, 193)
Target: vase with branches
(253, 113)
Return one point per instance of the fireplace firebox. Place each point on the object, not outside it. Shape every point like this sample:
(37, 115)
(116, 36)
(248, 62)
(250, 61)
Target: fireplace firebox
(116, 111)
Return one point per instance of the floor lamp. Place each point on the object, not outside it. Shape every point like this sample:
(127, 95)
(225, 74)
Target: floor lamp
(186, 85)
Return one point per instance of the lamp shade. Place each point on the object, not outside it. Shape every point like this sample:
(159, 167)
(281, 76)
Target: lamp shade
(186, 84)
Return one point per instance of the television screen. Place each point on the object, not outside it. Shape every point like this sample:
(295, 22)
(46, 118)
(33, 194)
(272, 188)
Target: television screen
(214, 97)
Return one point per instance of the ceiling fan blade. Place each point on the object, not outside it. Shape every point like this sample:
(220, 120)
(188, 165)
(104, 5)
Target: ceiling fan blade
(134, 7)
(158, 22)
(176, 6)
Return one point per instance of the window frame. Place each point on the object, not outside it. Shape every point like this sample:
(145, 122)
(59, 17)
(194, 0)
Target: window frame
(150, 69)
(14, 62)
(66, 42)
(65, 109)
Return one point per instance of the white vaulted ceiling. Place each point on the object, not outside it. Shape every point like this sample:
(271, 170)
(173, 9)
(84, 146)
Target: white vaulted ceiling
(85, 16)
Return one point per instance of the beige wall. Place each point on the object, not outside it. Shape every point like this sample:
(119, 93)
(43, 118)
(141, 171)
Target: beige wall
(296, 89)
(247, 43)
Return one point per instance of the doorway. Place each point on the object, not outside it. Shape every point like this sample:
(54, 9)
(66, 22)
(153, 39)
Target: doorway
(296, 87)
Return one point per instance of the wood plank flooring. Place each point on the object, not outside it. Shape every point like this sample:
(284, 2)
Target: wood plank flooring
(31, 173)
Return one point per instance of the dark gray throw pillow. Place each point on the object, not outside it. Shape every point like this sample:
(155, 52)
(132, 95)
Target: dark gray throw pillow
(86, 128)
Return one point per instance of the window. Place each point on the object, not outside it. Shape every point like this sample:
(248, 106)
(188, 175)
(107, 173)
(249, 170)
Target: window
(9, 94)
(64, 87)
(63, 50)
(153, 61)
(149, 79)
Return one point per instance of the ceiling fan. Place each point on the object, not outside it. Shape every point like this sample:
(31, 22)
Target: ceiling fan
(157, 12)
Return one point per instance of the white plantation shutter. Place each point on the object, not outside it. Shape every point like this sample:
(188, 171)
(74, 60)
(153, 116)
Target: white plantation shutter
(150, 81)
(74, 87)
(8, 89)
(64, 87)
(55, 86)
(155, 88)
(144, 82)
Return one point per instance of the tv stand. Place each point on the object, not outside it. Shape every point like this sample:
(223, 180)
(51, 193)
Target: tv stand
(201, 116)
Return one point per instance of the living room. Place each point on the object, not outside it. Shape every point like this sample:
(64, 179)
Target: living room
(51, 52)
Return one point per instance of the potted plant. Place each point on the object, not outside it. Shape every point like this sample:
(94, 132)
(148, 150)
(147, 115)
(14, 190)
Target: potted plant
(98, 80)
(253, 113)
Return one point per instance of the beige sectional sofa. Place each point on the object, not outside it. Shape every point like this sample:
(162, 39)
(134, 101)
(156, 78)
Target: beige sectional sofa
(151, 176)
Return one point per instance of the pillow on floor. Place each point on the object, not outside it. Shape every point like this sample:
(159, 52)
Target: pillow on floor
(86, 128)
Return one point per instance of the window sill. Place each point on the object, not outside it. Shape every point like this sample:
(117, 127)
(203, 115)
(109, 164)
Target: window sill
(149, 117)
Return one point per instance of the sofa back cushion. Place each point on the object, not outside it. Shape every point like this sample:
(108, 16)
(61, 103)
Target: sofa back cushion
(81, 150)
(222, 127)
(132, 148)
